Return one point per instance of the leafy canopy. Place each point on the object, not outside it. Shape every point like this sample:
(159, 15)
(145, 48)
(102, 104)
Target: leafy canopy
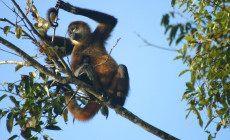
(206, 53)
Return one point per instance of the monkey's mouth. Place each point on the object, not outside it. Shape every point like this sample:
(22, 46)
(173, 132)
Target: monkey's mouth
(76, 36)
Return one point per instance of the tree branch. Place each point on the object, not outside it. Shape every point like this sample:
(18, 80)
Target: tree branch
(72, 79)
(15, 62)
(67, 71)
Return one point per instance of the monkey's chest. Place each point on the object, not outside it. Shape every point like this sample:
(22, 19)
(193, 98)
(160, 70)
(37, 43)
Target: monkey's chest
(105, 68)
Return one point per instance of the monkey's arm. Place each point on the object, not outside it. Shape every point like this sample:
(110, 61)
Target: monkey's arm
(58, 40)
(106, 22)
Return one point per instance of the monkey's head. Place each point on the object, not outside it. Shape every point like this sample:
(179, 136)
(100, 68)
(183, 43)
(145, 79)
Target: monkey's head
(79, 32)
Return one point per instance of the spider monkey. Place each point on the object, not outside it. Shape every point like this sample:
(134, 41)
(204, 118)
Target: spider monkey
(89, 58)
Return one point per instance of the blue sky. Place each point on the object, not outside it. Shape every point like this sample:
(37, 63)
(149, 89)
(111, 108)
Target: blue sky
(156, 89)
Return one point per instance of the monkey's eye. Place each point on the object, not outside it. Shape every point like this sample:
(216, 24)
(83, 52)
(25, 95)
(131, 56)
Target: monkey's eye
(74, 29)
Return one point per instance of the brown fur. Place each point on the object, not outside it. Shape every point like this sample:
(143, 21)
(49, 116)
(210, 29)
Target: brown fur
(111, 77)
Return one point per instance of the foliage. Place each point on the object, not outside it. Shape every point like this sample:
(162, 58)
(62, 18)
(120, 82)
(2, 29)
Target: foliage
(36, 101)
(206, 53)
(34, 106)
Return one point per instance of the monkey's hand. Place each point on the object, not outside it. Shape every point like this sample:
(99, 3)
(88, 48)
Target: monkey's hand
(67, 7)
(86, 73)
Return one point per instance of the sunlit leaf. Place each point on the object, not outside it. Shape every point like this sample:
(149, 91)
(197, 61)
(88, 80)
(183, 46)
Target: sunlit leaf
(189, 38)
(31, 122)
(18, 67)
(184, 71)
(177, 57)
(209, 112)
(199, 25)
(65, 115)
(34, 11)
(18, 32)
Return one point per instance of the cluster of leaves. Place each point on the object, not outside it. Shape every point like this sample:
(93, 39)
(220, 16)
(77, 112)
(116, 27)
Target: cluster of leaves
(33, 106)
(206, 53)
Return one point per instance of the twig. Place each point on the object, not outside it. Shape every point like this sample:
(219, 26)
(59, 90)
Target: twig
(108, 54)
(155, 46)
(26, 34)
(218, 6)
(9, 52)
(67, 71)
(20, 18)
(30, 60)
(15, 62)
(39, 131)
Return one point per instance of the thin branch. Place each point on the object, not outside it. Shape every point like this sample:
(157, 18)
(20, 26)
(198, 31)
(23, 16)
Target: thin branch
(120, 110)
(133, 118)
(15, 62)
(72, 79)
(26, 34)
(219, 6)
(109, 53)
(13, 10)
(30, 60)
(9, 52)
(155, 46)
(67, 71)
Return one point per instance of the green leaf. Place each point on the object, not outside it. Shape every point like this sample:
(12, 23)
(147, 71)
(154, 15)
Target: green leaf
(65, 115)
(16, 103)
(199, 25)
(3, 96)
(57, 108)
(105, 111)
(209, 137)
(10, 121)
(190, 86)
(53, 121)
(38, 116)
(178, 57)
(13, 137)
(188, 114)
(218, 126)
(53, 127)
(200, 122)
(10, 86)
(179, 39)
(184, 71)
(173, 2)
(42, 75)
(46, 137)
(208, 123)
(189, 38)
(185, 47)
(18, 32)
(6, 29)
(209, 112)
(27, 87)
(173, 32)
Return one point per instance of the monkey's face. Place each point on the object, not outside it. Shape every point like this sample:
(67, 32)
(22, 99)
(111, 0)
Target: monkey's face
(78, 32)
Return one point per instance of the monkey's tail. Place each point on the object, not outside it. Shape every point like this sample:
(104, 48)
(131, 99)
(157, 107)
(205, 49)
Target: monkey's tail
(85, 113)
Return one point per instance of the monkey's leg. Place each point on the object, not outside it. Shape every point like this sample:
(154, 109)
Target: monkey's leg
(121, 86)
